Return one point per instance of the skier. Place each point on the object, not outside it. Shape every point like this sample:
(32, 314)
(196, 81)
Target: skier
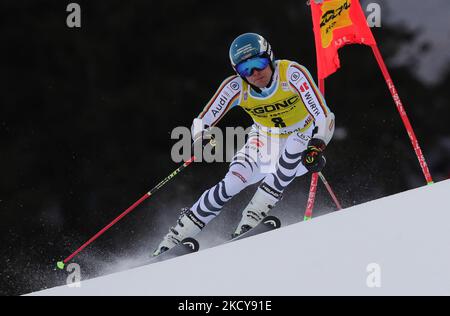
(289, 114)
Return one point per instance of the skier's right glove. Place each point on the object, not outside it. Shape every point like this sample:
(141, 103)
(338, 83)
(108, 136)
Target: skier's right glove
(203, 137)
(312, 157)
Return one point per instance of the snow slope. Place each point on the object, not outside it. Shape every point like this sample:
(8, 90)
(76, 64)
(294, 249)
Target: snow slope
(404, 237)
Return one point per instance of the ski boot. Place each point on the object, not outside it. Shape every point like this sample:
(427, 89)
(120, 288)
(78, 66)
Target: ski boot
(255, 212)
(188, 225)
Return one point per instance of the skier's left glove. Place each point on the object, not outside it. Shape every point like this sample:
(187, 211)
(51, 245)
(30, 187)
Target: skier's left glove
(312, 157)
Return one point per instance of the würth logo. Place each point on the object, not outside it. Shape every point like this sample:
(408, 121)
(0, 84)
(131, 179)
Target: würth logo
(304, 87)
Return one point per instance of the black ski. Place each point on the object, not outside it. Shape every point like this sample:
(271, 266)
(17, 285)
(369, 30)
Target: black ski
(187, 245)
(267, 224)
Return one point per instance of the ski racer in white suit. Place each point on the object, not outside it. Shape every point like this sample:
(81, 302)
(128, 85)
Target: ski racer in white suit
(292, 126)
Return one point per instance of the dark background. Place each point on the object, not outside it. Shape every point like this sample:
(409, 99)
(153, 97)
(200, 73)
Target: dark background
(86, 116)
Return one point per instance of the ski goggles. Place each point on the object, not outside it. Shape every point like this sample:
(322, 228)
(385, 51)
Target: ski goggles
(245, 68)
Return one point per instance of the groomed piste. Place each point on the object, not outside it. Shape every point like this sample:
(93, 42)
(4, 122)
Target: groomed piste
(397, 245)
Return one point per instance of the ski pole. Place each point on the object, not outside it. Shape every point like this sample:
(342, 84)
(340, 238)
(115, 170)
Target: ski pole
(333, 196)
(314, 177)
(61, 264)
(311, 197)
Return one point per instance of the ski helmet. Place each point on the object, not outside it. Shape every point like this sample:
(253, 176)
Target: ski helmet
(250, 45)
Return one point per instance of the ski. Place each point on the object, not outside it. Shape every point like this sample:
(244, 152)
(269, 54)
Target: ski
(268, 223)
(186, 246)
(191, 245)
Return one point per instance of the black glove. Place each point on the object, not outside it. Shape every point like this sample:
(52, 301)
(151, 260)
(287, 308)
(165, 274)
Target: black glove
(312, 157)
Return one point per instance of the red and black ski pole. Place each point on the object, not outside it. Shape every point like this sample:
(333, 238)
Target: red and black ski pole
(312, 194)
(330, 190)
(61, 264)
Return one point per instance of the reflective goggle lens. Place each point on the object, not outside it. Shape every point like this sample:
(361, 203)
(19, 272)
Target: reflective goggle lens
(245, 69)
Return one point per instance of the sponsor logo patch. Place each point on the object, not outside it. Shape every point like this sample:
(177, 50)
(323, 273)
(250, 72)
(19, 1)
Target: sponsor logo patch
(304, 87)
(195, 220)
(256, 142)
(282, 104)
(234, 86)
(330, 127)
(240, 176)
(266, 188)
(295, 76)
(223, 101)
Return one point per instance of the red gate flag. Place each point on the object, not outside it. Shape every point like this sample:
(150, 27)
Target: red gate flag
(341, 22)
(337, 23)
